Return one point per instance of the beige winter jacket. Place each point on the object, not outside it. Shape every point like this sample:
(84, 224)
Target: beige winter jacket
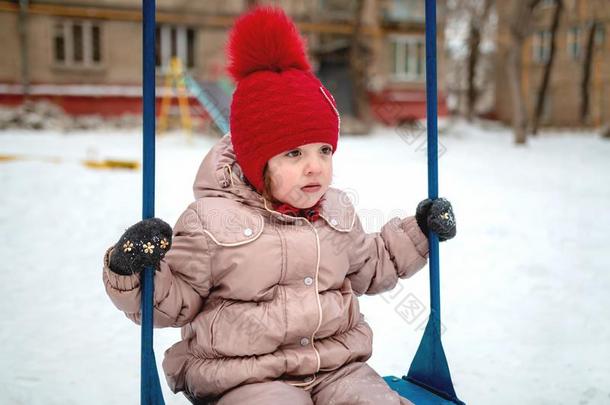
(261, 295)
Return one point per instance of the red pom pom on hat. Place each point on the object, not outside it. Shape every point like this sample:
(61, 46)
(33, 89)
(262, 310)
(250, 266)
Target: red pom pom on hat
(278, 103)
(265, 39)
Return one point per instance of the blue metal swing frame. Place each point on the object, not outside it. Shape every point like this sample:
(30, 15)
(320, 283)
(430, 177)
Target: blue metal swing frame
(150, 387)
(428, 380)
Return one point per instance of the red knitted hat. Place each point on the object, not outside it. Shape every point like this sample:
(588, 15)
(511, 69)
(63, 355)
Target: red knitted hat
(278, 103)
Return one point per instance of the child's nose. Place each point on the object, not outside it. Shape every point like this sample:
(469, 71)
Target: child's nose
(313, 165)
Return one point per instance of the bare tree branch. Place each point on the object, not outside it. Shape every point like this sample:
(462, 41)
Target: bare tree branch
(548, 68)
(520, 26)
(586, 71)
(358, 66)
(474, 41)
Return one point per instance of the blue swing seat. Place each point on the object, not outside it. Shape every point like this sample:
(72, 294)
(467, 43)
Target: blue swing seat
(416, 394)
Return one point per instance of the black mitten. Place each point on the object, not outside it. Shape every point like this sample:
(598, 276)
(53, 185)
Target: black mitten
(436, 216)
(143, 244)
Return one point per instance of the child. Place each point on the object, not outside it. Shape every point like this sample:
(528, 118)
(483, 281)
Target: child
(265, 266)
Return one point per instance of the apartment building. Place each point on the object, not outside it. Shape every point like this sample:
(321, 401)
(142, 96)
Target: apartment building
(563, 104)
(85, 55)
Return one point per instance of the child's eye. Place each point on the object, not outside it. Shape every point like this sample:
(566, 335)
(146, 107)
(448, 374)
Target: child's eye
(293, 153)
(327, 150)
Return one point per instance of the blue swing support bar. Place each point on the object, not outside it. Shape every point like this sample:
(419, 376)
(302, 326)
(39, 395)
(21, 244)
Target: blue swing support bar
(150, 387)
(429, 380)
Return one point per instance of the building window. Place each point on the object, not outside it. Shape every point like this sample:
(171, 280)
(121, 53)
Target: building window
(600, 35)
(175, 41)
(408, 55)
(338, 9)
(96, 52)
(405, 10)
(59, 44)
(574, 42)
(541, 46)
(77, 43)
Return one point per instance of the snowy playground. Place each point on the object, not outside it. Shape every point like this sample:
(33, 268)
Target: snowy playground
(525, 282)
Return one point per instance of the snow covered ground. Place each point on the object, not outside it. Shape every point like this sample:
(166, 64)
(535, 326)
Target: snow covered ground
(524, 284)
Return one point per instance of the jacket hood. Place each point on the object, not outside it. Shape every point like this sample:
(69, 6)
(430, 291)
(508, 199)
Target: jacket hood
(220, 175)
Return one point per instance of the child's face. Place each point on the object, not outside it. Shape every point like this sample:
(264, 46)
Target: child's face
(291, 171)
